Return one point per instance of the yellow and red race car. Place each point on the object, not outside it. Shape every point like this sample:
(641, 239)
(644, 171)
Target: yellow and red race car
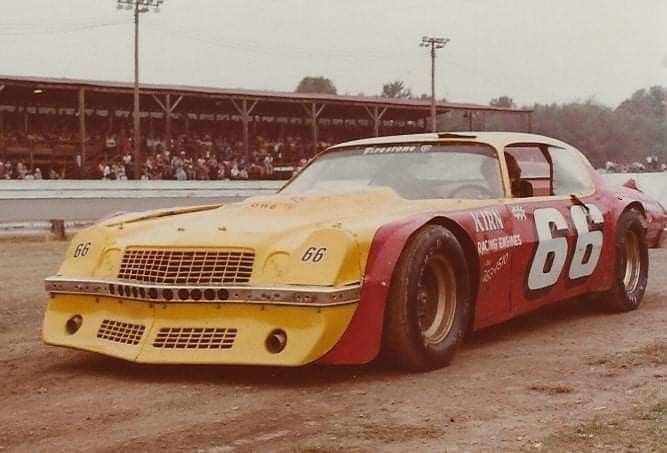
(399, 245)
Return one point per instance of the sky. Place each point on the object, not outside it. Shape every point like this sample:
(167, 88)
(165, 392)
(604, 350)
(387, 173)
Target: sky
(531, 50)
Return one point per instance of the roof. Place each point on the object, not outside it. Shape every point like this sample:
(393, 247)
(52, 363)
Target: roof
(498, 139)
(276, 96)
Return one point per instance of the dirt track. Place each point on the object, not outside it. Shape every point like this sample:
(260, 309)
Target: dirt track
(569, 377)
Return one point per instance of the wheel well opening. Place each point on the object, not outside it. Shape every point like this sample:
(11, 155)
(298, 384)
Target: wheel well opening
(472, 258)
(639, 207)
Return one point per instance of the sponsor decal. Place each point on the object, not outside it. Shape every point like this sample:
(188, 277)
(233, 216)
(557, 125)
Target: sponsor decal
(269, 206)
(394, 149)
(492, 271)
(498, 244)
(487, 220)
(519, 213)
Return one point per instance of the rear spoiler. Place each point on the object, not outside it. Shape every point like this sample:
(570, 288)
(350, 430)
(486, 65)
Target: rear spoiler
(632, 184)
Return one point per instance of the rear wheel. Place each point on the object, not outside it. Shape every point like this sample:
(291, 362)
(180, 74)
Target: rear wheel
(428, 309)
(631, 269)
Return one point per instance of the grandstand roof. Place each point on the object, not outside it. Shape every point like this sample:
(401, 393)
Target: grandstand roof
(108, 94)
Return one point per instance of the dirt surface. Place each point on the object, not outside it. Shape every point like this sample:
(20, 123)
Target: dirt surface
(567, 378)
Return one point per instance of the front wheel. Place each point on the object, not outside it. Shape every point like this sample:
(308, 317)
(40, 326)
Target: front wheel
(631, 267)
(429, 307)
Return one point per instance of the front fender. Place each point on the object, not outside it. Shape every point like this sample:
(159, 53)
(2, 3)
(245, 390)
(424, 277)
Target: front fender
(361, 341)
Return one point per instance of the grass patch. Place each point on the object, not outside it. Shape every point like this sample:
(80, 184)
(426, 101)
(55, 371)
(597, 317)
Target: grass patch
(388, 433)
(654, 354)
(640, 430)
(313, 449)
(551, 389)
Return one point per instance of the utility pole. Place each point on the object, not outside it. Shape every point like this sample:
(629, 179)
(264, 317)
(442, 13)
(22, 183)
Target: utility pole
(433, 43)
(139, 6)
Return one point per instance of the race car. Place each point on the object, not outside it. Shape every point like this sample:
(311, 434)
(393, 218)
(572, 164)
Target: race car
(395, 246)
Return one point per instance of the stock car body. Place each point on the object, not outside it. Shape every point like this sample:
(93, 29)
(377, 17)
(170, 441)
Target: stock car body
(400, 245)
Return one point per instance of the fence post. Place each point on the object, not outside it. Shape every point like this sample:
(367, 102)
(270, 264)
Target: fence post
(58, 229)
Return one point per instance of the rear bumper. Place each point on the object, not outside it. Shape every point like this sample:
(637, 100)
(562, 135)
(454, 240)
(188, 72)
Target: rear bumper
(194, 333)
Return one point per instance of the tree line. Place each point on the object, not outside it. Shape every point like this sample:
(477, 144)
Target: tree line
(633, 131)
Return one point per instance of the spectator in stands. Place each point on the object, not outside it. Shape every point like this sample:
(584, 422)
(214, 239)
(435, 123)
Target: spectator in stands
(110, 145)
(21, 169)
(9, 171)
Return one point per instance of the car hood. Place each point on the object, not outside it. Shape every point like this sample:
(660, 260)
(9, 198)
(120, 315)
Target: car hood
(279, 229)
(246, 222)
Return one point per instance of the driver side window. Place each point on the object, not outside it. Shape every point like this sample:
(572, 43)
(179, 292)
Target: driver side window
(529, 170)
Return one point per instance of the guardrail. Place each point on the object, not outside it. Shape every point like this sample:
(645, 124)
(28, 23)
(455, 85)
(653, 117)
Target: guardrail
(93, 189)
(65, 204)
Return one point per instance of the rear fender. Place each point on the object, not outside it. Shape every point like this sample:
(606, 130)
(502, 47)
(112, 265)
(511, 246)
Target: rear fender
(655, 217)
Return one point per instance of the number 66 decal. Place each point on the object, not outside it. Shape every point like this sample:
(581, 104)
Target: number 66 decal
(552, 247)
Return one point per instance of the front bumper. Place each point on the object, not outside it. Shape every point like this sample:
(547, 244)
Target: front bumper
(197, 332)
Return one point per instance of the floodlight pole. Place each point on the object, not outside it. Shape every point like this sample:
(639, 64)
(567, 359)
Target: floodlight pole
(433, 43)
(139, 6)
(137, 120)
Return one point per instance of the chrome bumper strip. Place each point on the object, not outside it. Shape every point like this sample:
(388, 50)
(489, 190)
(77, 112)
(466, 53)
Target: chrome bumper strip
(307, 296)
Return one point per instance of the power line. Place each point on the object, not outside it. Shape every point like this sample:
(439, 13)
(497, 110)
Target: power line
(53, 31)
(242, 44)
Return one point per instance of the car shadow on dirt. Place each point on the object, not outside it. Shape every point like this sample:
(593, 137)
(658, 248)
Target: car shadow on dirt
(315, 375)
(549, 316)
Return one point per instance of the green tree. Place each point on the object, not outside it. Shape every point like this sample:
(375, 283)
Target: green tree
(316, 85)
(396, 90)
(503, 101)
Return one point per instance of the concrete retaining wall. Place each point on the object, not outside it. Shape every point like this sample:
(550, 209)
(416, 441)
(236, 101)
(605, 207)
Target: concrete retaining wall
(24, 190)
(652, 184)
(22, 201)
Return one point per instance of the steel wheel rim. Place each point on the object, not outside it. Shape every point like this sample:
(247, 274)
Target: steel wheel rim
(436, 300)
(632, 261)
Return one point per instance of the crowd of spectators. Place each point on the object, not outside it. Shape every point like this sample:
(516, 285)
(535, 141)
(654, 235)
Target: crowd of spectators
(205, 157)
(199, 155)
(652, 164)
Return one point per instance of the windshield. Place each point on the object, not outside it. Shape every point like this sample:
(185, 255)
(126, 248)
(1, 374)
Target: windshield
(414, 171)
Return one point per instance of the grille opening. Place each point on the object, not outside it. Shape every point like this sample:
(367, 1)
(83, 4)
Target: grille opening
(121, 332)
(187, 267)
(195, 338)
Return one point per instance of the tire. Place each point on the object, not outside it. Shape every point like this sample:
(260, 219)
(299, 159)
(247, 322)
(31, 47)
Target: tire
(631, 269)
(429, 309)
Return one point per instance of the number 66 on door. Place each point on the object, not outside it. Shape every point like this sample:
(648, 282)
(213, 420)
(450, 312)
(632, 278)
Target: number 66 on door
(552, 246)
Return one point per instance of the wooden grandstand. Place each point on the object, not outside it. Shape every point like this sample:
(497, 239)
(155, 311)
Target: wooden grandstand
(169, 107)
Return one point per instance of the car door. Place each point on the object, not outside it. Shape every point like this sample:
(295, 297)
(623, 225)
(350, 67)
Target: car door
(559, 225)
